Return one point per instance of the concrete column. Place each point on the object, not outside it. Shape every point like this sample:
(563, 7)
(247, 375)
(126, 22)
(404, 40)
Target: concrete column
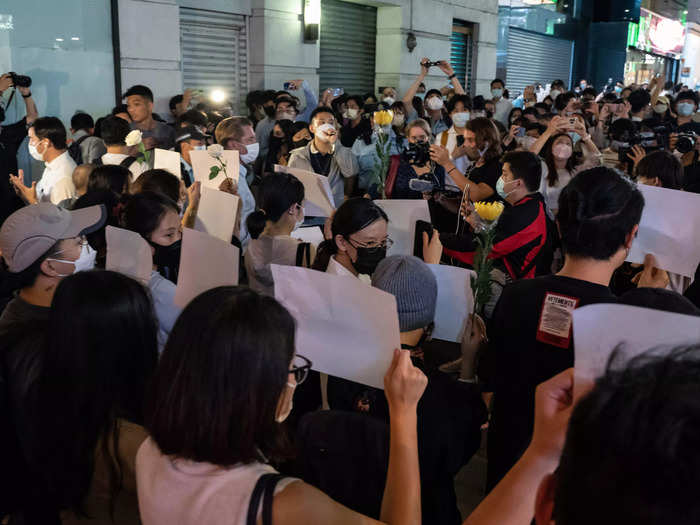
(277, 49)
(149, 35)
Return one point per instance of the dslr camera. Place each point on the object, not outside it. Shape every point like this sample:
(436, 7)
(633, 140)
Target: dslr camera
(652, 140)
(417, 153)
(20, 80)
(686, 142)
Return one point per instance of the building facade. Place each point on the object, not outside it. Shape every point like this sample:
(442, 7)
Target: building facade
(90, 51)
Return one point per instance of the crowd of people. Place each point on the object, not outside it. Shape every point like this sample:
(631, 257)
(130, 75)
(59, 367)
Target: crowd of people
(118, 406)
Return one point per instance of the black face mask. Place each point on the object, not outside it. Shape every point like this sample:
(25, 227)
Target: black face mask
(368, 259)
(276, 143)
(301, 143)
(269, 111)
(167, 259)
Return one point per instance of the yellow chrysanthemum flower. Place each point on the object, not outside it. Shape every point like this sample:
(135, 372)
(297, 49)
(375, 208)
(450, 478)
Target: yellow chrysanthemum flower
(489, 211)
(383, 118)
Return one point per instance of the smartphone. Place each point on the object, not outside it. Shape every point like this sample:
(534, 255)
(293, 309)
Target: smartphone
(421, 226)
(336, 92)
(287, 86)
(460, 140)
(573, 121)
(521, 131)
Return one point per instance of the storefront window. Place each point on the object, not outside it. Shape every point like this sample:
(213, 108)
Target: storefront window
(66, 48)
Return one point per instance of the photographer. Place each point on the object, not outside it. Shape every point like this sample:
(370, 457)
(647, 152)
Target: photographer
(11, 136)
(416, 162)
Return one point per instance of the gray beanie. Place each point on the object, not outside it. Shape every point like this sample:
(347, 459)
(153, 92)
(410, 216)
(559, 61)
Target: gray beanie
(413, 284)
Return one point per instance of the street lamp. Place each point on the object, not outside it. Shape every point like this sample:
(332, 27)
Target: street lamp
(312, 19)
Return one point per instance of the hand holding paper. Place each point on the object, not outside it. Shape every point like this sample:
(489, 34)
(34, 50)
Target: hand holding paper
(346, 329)
(455, 301)
(128, 253)
(217, 213)
(167, 160)
(203, 162)
(318, 198)
(403, 215)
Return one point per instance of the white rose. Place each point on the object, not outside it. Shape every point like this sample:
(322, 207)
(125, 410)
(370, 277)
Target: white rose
(216, 150)
(134, 138)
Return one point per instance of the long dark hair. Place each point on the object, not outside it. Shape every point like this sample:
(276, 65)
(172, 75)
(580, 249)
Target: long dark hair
(351, 217)
(287, 127)
(548, 155)
(277, 193)
(109, 177)
(161, 181)
(220, 378)
(100, 354)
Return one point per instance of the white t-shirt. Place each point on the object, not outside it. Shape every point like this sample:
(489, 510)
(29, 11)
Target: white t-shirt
(56, 182)
(167, 312)
(503, 107)
(335, 268)
(188, 492)
(136, 168)
(461, 163)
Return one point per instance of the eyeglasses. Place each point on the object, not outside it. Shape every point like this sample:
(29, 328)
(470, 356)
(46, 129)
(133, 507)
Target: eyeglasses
(300, 368)
(386, 243)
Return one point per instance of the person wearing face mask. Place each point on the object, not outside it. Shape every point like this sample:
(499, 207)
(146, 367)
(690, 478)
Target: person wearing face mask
(661, 111)
(523, 246)
(280, 212)
(237, 133)
(398, 123)
(434, 108)
(47, 144)
(686, 105)
(301, 135)
(459, 108)
(560, 164)
(210, 447)
(285, 108)
(187, 140)
(352, 130)
(388, 97)
(502, 106)
(40, 245)
(325, 156)
(281, 145)
(156, 218)
(448, 436)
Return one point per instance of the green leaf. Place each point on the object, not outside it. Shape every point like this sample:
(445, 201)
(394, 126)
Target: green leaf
(214, 172)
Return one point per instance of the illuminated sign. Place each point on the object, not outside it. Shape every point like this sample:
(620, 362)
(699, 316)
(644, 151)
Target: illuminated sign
(658, 34)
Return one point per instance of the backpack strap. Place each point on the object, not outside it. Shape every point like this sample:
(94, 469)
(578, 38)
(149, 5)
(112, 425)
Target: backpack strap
(303, 254)
(82, 139)
(127, 162)
(264, 490)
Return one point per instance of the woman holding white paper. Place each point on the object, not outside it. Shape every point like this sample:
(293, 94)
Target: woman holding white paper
(155, 217)
(280, 212)
(223, 387)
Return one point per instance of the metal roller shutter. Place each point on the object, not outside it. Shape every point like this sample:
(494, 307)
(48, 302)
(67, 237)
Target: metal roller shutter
(348, 39)
(215, 52)
(462, 52)
(534, 57)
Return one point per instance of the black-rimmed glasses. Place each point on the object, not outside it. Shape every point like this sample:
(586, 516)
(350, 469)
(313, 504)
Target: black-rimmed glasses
(300, 368)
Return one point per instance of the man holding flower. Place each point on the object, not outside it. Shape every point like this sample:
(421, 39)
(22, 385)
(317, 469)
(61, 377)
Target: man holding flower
(522, 242)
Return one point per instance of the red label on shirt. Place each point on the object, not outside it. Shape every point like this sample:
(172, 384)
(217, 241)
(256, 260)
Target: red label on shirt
(556, 320)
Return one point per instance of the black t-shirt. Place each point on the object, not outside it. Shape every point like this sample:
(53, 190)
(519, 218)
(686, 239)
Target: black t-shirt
(489, 174)
(349, 134)
(10, 138)
(321, 163)
(518, 359)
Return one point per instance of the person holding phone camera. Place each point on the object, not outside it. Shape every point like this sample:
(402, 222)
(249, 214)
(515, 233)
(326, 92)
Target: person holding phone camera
(11, 136)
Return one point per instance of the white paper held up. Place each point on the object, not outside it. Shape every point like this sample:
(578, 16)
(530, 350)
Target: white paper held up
(455, 301)
(128, 253)
(318, 198)
(311, 234)
(164, 159)
(669, 229)
(202, 162)
(217, 213)
(205, 263)
(403, 215)
(599, 329)
(346, 329)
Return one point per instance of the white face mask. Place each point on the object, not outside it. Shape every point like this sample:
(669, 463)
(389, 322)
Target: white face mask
(35, 153)
(287, 115)
(660, 108)
(289, 404)
(200, 148)
(435, 103)
(554, 94)
(323, 131)
(389, 100)
(85, 262)
(252, 154)
(399, 119)
(351, 113)
(460, 119)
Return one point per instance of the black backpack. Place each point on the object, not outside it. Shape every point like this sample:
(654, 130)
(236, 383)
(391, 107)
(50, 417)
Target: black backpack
(74, 150)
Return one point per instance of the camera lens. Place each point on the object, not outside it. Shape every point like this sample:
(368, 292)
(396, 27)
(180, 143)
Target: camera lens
(685, 144)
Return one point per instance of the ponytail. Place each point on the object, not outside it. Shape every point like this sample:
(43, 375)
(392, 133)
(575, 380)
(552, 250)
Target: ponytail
(278, 192)
(324, 252)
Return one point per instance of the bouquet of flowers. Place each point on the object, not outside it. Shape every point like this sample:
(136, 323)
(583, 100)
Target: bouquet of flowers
(488, 214)
(135, 138)
(382, 126)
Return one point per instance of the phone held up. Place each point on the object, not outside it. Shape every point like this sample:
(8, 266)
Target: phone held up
(421, 226)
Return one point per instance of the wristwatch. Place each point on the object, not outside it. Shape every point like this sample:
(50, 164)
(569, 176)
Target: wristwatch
(453, 75)
(27, 95)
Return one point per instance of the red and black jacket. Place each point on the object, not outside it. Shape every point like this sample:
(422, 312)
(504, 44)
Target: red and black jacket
(523, 241)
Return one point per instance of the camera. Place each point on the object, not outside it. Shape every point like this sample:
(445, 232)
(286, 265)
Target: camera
(20, 80)
(430, 64)
(417, 153)
(686, 142)
(428, 183)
